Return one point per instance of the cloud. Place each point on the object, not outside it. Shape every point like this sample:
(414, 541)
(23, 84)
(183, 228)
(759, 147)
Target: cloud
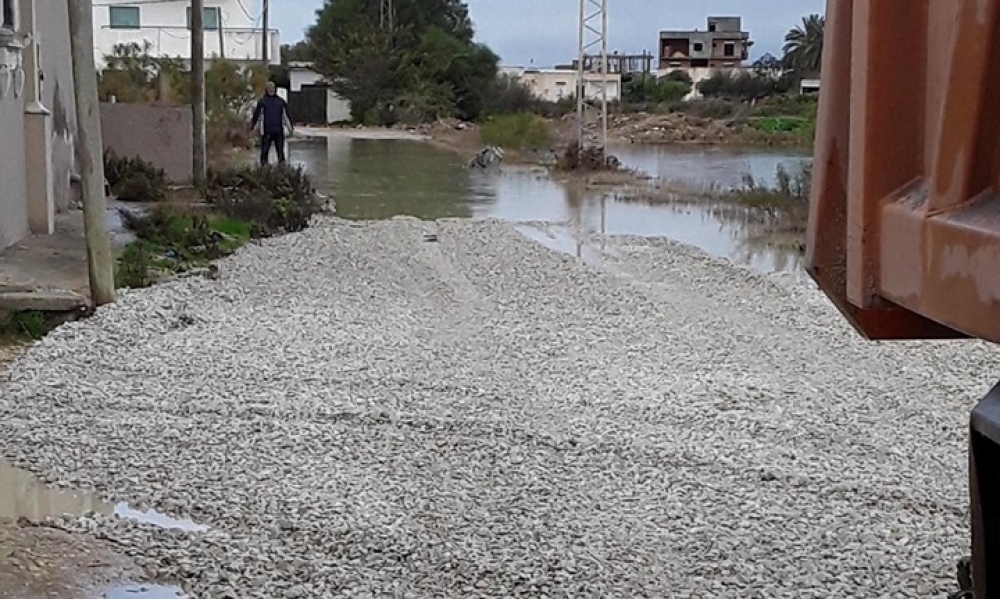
(545, 31)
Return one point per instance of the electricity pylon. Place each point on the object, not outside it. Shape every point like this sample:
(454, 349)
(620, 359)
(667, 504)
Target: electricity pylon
(385, 15)
(593, 32)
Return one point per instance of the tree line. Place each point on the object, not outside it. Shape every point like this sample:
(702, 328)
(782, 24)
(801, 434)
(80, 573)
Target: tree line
(427, 65)
(420, 65)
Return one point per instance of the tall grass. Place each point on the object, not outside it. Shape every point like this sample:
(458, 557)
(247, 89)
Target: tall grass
(791, 189)
(521, 131)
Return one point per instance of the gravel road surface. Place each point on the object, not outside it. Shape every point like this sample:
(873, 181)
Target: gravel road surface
(356, 412)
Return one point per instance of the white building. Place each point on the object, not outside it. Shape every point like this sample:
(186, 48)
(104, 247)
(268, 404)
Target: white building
(556, 84)
(37, 117)
(302, 73)
(232, 29)
(809, 86)
(303, 78)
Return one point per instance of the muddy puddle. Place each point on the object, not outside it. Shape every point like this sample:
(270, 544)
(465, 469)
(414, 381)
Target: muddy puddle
(141, 591)
(377, 179)
(22, 495)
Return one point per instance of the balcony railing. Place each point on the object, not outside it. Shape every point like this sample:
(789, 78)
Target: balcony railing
(238, 44)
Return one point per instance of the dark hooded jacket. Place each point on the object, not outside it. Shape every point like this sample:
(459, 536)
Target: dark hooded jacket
(272, 109)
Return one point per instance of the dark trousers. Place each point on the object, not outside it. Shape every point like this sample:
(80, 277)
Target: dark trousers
(278, 139)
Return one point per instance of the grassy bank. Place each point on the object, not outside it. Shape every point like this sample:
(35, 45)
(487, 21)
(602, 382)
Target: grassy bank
(521, 131)
(241, 205)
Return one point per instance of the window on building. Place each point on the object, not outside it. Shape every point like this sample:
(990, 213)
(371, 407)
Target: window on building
(698, 46)
(124, 17)
(711, 27)
(211, 18)
(729, 50)
(9, 15)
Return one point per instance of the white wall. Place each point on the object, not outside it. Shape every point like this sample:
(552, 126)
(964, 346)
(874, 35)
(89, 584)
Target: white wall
(299, 76)
(164, 25)
(555, 84)
(338, 109)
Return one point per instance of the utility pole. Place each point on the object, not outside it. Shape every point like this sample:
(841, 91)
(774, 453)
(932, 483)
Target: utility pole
(593, 32)
(89, 151)
(198, 89)
(265, 45)
(222, 38)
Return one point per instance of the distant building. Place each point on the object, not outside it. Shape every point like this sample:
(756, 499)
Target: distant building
(557, 84)
(231, 32)
(700, 54)
(724, 45)
(312, 100)
(809, 86)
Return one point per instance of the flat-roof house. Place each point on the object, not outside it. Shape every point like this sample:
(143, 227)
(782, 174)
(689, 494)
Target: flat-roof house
(723, 45)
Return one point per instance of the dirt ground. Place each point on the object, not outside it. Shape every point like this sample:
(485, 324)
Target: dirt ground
(37, 563)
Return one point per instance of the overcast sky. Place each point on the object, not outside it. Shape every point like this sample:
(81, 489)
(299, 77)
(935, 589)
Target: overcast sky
(545, 31)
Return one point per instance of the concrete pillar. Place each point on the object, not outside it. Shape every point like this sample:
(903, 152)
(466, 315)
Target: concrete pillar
(37, 133)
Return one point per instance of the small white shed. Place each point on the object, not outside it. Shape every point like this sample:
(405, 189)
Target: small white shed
(303, 78)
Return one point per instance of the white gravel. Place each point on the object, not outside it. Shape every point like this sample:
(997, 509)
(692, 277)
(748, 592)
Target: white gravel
(358, 413)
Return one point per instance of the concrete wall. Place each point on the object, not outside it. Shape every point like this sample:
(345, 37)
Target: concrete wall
(555, 84)
(50, 148)
(158, 134)
(299, 76)
(338, 108)
(13, 185)
(57, 94)
(164, 25)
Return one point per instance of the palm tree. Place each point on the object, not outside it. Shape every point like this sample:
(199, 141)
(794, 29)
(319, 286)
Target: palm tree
(804, 46)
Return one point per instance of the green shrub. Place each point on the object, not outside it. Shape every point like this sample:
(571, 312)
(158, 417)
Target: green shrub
(29, 325)
(780, 124)
(134, 179)
(521, 131)
(648, 89)
(134, 268)
(741, 86)
(801, 106)
(680, 77)
(707, 108)
(272, 198)
(174, 239)
(780, 131)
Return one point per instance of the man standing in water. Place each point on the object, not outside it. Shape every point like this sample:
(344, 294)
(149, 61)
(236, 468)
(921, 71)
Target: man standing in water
(272, 114)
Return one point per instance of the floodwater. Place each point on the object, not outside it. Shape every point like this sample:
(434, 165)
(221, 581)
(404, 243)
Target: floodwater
(708, 167)
(382, 178)
(22, 495)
